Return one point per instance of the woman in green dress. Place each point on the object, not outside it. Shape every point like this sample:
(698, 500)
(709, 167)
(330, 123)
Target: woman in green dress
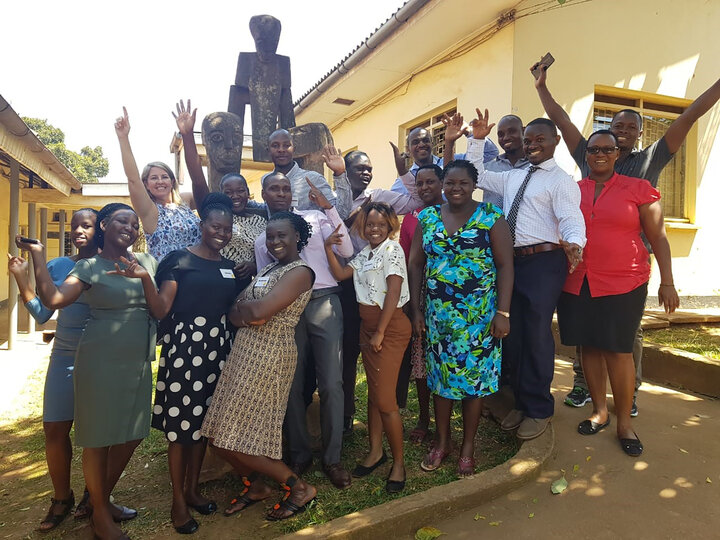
(113, 381)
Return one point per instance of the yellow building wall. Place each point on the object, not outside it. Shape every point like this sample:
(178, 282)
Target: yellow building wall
(658, 46)
(480, 78)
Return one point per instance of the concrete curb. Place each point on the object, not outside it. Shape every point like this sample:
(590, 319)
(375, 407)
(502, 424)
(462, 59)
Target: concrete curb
(675, 367)
(404, 516)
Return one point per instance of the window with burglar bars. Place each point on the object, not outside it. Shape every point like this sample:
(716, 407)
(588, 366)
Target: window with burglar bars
(433, 123)
(657, 117)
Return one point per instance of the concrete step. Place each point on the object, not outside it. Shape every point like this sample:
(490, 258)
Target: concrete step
(668, 366)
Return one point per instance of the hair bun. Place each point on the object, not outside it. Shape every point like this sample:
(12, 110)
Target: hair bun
(215, 201)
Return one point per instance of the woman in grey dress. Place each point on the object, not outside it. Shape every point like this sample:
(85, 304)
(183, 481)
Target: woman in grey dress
(113, 381)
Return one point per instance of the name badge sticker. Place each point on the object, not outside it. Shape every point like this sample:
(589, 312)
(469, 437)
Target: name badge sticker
(262, 281)
(368, 265)
(227, 273)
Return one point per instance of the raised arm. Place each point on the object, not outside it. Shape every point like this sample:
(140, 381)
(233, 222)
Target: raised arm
(186, 126)
(678, 130)
(340, 272)
(335, 162)
(285, 292)
(494, 181)
(51, 296)
(142, 203)
(571, 134)
(502, 249)
(18, 267)
(416, 268)
(653, 225)
(454, 129)
(333, 223)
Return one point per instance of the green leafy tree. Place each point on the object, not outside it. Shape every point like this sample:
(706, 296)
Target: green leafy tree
(87, 166)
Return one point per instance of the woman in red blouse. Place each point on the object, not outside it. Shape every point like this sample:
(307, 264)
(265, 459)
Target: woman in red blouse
(604, 298)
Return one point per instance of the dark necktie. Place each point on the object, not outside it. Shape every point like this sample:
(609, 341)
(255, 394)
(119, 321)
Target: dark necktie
(513, 213)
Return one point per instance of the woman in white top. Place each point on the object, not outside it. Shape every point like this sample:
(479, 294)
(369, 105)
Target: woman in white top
(167, 222)
(380, 279)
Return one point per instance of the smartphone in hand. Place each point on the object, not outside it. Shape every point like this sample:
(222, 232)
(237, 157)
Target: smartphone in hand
(545, 62)
(29, 240)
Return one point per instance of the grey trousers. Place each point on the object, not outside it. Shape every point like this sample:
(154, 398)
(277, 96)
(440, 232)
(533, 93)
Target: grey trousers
(579, 377)
(320, 329)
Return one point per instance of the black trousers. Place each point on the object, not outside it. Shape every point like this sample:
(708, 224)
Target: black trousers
(530, 348)
(350, 344)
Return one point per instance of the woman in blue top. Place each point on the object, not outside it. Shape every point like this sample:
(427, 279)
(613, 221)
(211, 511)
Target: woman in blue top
(168, 223)
(465, 248)
(58, 395)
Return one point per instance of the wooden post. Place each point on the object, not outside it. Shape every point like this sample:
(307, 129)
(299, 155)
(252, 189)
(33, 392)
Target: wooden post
(32, 233)
(14, 228)
(43, 227)
(61, 234)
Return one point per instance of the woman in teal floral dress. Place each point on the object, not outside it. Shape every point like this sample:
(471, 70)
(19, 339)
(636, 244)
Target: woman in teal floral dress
(466, 249)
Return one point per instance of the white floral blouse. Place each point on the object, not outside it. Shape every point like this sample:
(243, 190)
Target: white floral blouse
(371, 269)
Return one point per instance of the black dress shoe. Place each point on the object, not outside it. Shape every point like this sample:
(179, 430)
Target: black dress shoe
(588, 427)
(188, 528)
(361, 470)
(123, 513)
(205, 509)
(338, 476)
(395, 486)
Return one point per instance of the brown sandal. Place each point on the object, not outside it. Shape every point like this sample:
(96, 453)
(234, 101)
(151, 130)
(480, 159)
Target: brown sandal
(56, 519)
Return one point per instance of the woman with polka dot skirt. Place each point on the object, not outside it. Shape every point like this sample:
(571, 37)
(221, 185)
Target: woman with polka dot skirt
(197, 287)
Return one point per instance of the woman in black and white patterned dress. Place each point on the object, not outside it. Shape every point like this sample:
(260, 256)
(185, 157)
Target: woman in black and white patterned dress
(197, 287)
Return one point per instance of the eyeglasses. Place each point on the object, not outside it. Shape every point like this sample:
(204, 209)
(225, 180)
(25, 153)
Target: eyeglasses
(607, 150)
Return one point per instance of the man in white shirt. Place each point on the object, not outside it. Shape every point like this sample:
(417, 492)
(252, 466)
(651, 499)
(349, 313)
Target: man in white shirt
(318, 335)
(542, 207)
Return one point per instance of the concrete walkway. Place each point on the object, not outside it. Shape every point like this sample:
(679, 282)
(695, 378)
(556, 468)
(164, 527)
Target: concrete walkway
(671, 491)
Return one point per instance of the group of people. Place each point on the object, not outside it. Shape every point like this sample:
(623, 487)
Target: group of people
(256, 305)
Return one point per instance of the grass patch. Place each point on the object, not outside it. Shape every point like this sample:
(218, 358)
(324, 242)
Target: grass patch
(701, 339)
(493, 446)
(145, 485)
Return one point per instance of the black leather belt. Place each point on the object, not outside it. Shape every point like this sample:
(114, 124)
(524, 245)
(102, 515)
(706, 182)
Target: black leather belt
(524, 251)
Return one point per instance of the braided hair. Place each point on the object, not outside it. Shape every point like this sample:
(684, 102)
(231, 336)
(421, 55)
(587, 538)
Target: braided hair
(215, 202)
(299, 224)
(104, 214)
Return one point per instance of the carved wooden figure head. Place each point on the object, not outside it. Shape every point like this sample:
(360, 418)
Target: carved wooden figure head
(265, 30)
(222, 135)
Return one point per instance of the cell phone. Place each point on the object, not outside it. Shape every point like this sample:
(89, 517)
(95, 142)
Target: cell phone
(546, 61)
(29, 240)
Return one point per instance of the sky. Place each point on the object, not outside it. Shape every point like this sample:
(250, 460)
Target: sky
(76, 63)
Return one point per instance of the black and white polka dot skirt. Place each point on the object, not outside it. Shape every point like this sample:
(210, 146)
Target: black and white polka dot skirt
(192, 357)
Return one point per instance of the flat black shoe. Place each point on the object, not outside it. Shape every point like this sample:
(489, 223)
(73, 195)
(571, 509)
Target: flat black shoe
(632, 447)
(188, 528)
(360, 470)
(205, 509)
(588, 427)
(395, 486)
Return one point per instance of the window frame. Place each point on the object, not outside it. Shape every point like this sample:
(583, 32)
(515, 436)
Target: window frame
(426, 121)
(660, 106)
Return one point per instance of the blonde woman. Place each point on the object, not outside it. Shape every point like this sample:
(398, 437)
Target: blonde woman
(168, 223)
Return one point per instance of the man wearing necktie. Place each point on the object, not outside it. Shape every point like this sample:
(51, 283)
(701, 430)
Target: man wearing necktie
(542, 206)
